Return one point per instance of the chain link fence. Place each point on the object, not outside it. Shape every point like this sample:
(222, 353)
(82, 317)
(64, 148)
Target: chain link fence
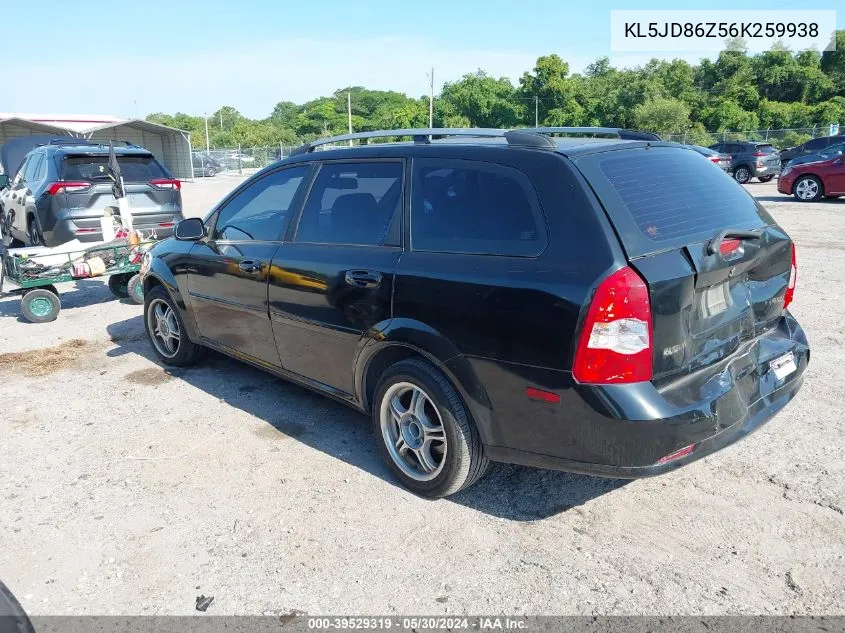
(247, 160)
(780, 138)
(236, 161)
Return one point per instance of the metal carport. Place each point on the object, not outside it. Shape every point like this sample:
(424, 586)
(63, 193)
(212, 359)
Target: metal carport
(171, 146)
(17, 127)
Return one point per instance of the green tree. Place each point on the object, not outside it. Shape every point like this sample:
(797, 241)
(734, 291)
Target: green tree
(663, 115)
(833, 63)
(483, 100)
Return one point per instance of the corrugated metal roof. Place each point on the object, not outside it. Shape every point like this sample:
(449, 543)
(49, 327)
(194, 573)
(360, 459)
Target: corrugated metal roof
(38, 125)
(140, 124)
(84, 123)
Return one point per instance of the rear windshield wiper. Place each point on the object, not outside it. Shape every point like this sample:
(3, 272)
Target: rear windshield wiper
(713, 245)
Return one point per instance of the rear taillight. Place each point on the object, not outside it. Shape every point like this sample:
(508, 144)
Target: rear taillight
(793, 277)
(759, 154)
(728, 246)
(616, 339)
(67, 186)
(166, 183)
(713, 159)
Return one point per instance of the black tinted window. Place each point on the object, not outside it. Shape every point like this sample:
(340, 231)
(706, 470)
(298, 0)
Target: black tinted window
(765, 148)
(470, 207)
(262, 210)
(815, 144)
(833, 150)
(352, 203)
(665, 197)
(132, 168)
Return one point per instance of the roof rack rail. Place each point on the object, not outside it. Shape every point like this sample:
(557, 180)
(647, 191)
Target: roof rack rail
(524, 137)
(617, 132)
(420, 135)
(70, 140)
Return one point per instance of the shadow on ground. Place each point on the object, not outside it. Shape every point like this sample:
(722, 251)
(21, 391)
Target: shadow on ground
(511, 492)
(786, 198)
(76, 294)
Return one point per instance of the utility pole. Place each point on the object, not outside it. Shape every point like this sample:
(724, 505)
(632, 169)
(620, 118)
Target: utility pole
(207, 144)
(431, 99)
(536, 111)
(349, 113)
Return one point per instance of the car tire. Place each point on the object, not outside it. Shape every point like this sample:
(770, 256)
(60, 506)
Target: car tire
(33, 233)
(807, 188)
(118, 284)
(742, 174)
(209, 172)
(424, 432)
(764, 178)
(41, 305)
(159, 308)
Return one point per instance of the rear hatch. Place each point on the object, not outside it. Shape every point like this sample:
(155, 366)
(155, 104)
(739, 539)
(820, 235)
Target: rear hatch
(709, 297)
(154, 196)
(767, 156)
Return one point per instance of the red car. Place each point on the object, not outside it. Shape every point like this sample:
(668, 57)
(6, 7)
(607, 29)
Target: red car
(811, 181)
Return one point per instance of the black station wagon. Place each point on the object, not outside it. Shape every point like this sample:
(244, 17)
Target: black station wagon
(491, 295)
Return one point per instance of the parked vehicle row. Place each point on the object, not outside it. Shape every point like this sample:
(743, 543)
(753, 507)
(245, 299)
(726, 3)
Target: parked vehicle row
(559, 303)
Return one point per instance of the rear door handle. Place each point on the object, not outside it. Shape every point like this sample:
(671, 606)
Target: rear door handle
(363, 278)
(250, 266)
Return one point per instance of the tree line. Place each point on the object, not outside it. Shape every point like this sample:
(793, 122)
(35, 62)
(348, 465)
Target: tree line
(772, 90)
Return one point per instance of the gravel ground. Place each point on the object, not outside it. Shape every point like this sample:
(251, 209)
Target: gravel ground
(126, 488)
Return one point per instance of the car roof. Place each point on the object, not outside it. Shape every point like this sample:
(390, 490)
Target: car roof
(463, 148)
(94, 149)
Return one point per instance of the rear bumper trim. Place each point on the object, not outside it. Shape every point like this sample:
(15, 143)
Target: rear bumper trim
(772, 404)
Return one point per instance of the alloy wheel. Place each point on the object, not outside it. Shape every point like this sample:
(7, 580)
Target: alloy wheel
(163, 327)
(807, 189)
(413, 432)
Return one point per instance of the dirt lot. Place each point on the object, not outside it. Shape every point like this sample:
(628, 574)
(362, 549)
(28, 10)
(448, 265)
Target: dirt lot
(126, 488)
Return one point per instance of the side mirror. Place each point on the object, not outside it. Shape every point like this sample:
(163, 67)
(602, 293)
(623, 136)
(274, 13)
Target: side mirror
(4, 181)
(190, 230)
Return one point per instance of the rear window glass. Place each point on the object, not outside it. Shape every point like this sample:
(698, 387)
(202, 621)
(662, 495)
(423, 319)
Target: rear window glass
(477, 208)
(665, 197)
(766, 149)
(132, 168)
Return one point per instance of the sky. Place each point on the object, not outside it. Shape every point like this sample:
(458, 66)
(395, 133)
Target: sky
(133, 58)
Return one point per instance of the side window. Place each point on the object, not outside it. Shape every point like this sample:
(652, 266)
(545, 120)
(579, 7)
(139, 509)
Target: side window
(477, 208)
(833, 150)
(815, 145)
(19, 177)
(262, 210)
(32, 167)
(41, 170)
(352, 203)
